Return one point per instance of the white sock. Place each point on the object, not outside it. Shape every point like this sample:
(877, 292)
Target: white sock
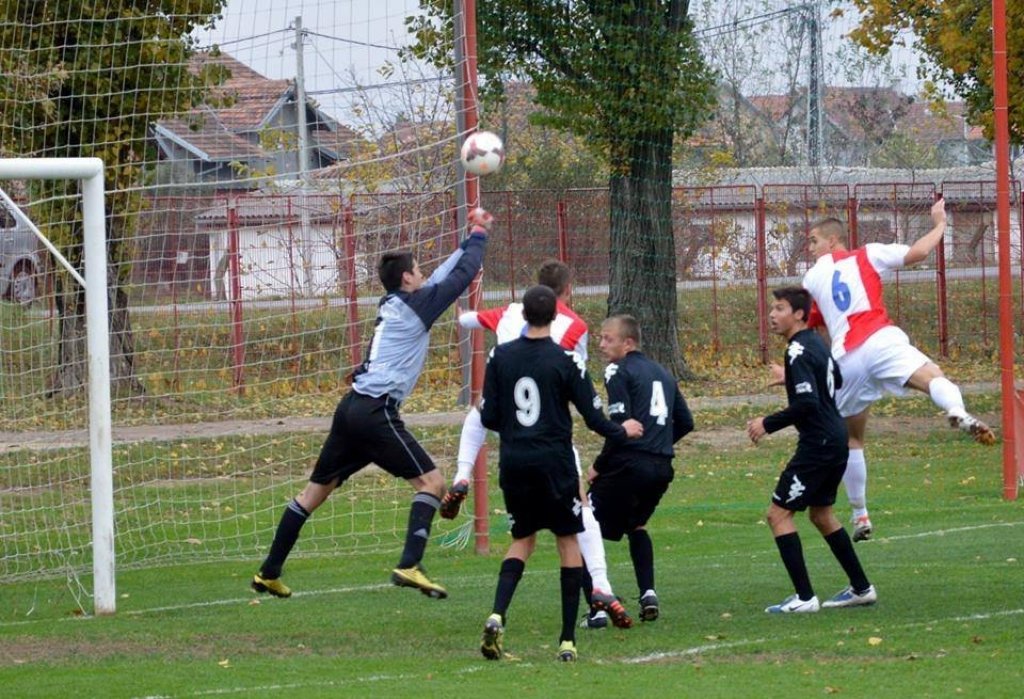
(946, 395)
(592, 548)
(856, 481)
(472, 438)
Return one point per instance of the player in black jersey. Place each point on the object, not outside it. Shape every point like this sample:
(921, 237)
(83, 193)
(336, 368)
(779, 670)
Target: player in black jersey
(629, 479)
(813, 474)
(528, 386)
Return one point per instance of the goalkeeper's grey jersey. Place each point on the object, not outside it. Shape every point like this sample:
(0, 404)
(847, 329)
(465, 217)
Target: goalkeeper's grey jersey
(401, 335)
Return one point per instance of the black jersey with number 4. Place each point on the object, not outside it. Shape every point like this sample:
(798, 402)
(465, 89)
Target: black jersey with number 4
(640, 388)
(812, 377)
(528, 386)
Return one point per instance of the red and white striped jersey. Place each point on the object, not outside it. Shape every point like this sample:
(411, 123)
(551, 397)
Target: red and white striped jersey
(507, 322)
(847, 290)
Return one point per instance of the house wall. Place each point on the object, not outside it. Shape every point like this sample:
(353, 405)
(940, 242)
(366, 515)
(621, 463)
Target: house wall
(277, 261)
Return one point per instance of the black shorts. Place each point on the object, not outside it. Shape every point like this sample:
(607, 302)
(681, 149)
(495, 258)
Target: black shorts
(626, 494)
(811, 479)
(541, 496)
(366, 430)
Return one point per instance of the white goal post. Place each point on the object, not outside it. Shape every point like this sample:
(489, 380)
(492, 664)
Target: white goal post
(89, 171)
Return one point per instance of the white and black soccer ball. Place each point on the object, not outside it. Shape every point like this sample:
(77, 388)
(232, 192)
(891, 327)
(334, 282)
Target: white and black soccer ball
(483, 153)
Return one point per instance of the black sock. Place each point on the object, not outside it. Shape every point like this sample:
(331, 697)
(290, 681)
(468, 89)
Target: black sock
(508, 578)
(587, 585)
(641, 550)
(793, 558)
(421, 516)
(570, 602)
(842, 549)
(287, 534)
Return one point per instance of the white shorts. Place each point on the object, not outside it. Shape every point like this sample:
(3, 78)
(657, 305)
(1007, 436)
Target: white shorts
(883, 364)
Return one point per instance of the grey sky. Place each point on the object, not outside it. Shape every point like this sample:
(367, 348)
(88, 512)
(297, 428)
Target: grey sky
(352, 40)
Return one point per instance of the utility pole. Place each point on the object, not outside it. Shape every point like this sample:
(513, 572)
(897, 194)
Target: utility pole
(300, 100)
(303, 143)
(815, 88)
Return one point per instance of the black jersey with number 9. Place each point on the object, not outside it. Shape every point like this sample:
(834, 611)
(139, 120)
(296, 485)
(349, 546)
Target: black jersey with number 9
(528, 386)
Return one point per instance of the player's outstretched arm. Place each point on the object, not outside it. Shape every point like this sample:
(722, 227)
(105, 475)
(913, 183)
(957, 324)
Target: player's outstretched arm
(924, 245)
(470, 320)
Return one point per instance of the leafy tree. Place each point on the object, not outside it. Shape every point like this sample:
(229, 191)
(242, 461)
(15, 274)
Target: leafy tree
(88, 79)
(955, 39)
(626, 78)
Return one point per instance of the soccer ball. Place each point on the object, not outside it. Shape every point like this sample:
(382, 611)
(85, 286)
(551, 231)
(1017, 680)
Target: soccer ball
(483, 153)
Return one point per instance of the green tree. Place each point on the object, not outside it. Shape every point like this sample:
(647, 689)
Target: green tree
(956, 41)
(86, 79)
(626, 78)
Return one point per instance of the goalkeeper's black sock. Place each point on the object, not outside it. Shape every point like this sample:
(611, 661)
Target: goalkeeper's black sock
(421, 516)
(287, 534)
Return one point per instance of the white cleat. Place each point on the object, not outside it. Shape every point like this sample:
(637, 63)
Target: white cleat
(794, 605)
(849, 598)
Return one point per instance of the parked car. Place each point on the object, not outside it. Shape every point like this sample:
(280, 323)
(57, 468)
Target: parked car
(20, 264)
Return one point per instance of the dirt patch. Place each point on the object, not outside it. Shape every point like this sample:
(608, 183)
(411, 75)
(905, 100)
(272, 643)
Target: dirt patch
(30, 650)
(66, 439)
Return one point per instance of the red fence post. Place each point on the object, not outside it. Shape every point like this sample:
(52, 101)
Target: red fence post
(234, 270)
(761, 228)
(510, 247)
(851, 216)
(563, 233)
(351, 288)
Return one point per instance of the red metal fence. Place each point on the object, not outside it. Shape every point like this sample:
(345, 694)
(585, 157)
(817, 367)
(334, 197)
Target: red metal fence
(733, 243)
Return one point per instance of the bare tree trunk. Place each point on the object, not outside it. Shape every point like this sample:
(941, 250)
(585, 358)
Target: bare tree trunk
(72, 372)
(642, 252)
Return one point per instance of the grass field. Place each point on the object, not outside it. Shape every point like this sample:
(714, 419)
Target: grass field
(947, 564)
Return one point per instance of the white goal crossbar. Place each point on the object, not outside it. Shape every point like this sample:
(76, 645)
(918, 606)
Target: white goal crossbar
(89, 171)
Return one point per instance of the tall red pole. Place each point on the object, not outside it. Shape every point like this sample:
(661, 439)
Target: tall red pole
(761, 227)
(481, 517)
(942, 297)
(235, 272)
(1002, 138)
(351, 286)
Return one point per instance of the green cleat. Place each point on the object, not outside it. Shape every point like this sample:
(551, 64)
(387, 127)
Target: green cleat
(494, 632)
(272, 585)
(415, 577)
(567, 652)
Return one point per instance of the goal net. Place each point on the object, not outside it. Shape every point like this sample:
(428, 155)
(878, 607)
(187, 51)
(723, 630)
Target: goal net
(256, 169)
(260, 155)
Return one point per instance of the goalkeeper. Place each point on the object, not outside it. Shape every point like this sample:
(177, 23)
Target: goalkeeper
(367, 426)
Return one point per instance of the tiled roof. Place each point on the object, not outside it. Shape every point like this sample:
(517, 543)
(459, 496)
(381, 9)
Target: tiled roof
(259, 208)
(204, 132)
(240, 105)
(251, 103)
(847, 107)
(339, 141)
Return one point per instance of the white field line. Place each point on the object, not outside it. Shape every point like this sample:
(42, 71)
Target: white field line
(636, 660)
(464, 579)
(697, 650)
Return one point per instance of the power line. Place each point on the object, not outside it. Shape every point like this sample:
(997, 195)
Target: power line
(249, 38)
(378, 86)
(747, 22)
(353, 41)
